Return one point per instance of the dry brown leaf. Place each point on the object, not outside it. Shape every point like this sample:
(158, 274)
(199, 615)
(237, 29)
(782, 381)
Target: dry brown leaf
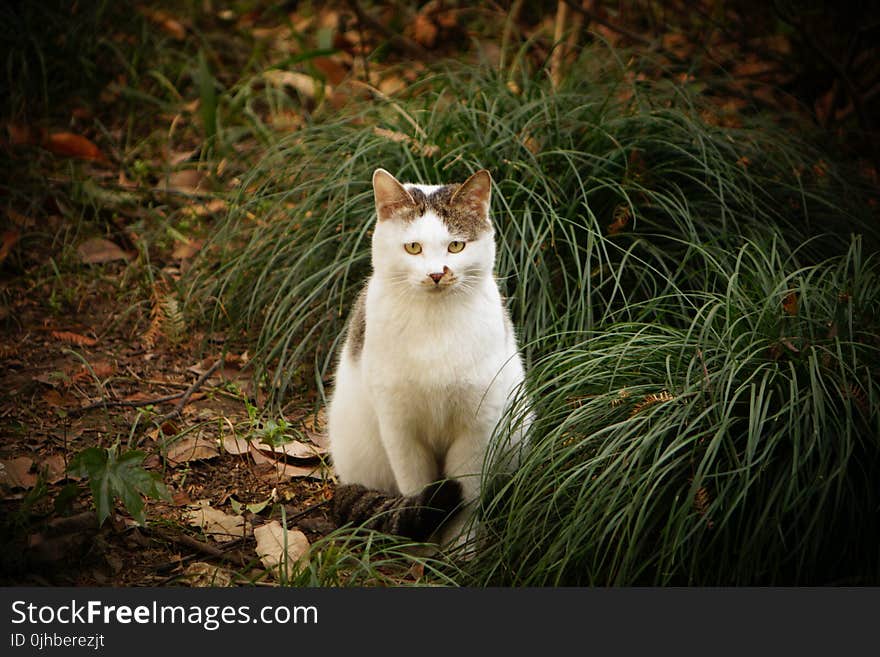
(220, 526)
(424, 31)
(20, 134)
(16, 473)
(294, 449)
(304, 84)
(235, 445)
(185, 180)
(73, 145)
(55, 468)
(101, 369)
(53, 398)
(277, 471)
(621, 219)
(97, 250)
(7, 241)
(331, 69)
(74, 338)
(282, 551)
(790, 303)
(200, 574)
(315, 427)
(186, 250)
(287, 471)
(216, 206)
(19, 219)
(192, 448)
(166, 22)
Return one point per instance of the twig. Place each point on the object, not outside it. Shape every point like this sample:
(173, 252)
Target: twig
(190, 542)
(299, 514)
(133, 403)
(184, 398)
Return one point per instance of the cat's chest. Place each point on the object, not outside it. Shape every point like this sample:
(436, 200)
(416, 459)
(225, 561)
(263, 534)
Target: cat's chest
(428, 349)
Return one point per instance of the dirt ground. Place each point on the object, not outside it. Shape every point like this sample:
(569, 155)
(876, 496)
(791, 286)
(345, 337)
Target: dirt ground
(57, 368)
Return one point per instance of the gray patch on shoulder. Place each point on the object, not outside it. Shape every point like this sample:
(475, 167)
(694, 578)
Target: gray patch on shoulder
(357, 324)
(460, 218)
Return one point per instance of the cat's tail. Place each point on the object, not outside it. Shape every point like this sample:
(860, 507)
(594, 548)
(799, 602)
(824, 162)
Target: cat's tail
(415, 516)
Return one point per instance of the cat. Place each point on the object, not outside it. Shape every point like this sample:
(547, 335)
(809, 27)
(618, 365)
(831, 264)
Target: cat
(429, 364)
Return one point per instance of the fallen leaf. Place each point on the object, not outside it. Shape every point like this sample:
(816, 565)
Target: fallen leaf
(424, 31)
(74, 338)
(101, 370)
(316, 422)
(179, 157)
(286, 471)
(200, 574)
(192, 448)
(282, 551)
(73, 145)
(220, 526)
(622, 216)
(236, 445)
(332, 70)
(203, 209)
(253, 507)
(186, 250)
(7, 241)
(277, 471)
(54, 467)
(20, 220)
(294, 449)
(166, 22)
(97, 250)
(185, 180)
(20, 134)
(16, 473)
(53, 398)
(304, 84)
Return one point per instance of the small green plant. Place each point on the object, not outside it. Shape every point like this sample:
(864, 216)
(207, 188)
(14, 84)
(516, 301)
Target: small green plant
(113, 474)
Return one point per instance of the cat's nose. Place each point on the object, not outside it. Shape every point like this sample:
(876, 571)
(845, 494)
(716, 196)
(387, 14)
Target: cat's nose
(436, 277)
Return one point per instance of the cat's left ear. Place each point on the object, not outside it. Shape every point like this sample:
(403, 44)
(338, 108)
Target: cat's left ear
(474, 193)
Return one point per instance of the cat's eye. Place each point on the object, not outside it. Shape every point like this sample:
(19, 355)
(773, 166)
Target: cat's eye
(413, 248)
(455, 247)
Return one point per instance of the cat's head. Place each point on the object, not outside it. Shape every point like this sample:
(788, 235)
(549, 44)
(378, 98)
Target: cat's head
(433, 238)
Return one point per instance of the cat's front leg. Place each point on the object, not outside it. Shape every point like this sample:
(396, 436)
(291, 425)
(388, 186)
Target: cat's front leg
(412, 461)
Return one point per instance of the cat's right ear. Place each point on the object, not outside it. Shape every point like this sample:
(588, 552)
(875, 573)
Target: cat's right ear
(391, 196)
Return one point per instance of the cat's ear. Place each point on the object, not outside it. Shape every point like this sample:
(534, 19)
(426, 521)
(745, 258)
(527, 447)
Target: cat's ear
(474, 193)
(391, 197)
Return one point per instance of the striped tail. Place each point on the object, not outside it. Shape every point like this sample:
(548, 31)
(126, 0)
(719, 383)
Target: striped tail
(415, 516)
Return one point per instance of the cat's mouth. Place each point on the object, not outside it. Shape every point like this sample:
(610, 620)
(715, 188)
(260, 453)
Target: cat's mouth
(437, 288)
(439, 281)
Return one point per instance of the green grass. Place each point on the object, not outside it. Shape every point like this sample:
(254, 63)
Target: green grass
(695, 426)
(738, 449)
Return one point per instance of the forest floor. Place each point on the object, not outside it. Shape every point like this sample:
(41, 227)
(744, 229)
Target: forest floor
(107, 211)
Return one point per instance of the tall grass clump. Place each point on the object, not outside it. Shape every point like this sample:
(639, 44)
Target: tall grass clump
(606, 192)
(696, 302)
(740, 448)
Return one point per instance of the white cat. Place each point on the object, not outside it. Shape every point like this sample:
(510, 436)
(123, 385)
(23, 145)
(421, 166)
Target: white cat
(430, 361)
